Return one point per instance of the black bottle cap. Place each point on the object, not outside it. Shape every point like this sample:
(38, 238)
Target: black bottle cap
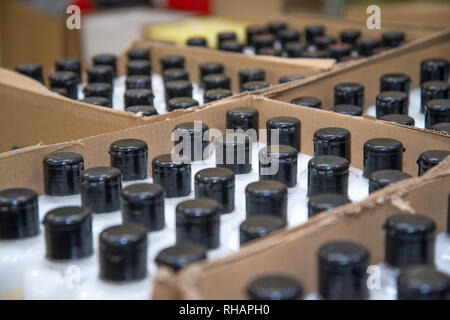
(173, 173)
(435, 69)
(169, 62)
(399, 119)
(252, 31)
(60, 91)
(173, 74)
(138, 54)
(409, 240)
(290, 78)
(275, 287)
(269, 51)
(422, 282)
(216, 81)
(324, 202)
(343, 271)
(247, 75)
(367, 45)
(432, 90)
(62, 172)
(276, 26)
(31, 70)
(328, 174)
(350, 36)
(69, 64)
(232, 46)
(287, 131)
(198, 134)
(437, 111)
(146, 111)
(317, 54)
(382, 154)
(143, 203)
(123, 253)
(383, 178)
(323, 42)
(97, 101)
(136, 97)
(332, 141)
(130, 156)
(216, 94)
(198, 221)
(310, 102)
(225, 36)
(181, 103)
(443, 127)
(267, 197)
(197, 42)
(178, 89)
(313, 31)
(67, 80)
(279, 158)
(216, 184)
(263, 40)
(393, 38)
(289, 35)
(139, 67)
(348, 109)
(339, 51)
(233, 151)
(68, 233)
(106, 60)
(431, 158)
(349, 93)
(98, 89)
(138, 82)
(181, 255)
(243, 118)
(259, 226)
(395, 82)
(100, 189)
(210, 68)
(101, 73)
(294, 49)
(19, 214)
(255, 85)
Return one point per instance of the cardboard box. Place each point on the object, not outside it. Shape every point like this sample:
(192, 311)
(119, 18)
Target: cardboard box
(32, 114)
(226, 278)
(405, 59)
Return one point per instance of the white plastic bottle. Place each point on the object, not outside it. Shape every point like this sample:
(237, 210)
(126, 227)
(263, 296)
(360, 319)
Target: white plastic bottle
(69, 261)
(21, 242)
(123, 272)
(443, 247)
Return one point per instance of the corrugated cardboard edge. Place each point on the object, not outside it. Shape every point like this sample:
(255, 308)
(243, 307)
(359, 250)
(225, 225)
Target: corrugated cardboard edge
(184, 285)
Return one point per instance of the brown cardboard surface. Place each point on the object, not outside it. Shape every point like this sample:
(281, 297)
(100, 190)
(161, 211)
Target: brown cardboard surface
(24, 168)
(294, 252)
(405, 59)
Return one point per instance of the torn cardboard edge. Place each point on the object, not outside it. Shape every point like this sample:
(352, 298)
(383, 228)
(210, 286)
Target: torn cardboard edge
(226, 278)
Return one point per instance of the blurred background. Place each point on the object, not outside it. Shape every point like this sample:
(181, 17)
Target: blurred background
(35, 30)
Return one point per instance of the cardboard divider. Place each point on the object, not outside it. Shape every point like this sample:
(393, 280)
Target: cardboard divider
(294, 252)
(24, 167)
(405, 59)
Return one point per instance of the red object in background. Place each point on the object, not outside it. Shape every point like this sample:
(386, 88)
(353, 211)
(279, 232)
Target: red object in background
(85, 5)
(199, 6)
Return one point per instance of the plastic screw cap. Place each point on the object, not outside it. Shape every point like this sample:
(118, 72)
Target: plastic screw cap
(422, 283)
(275, 287)
(181, 255)
(310, 102)
(324, 202)
(435, 69)
(216, 94)
(168, 62)
(69, 64)
(138, 82)
(136, 97)
(19, 213)
(173, 173)
(382, 154)
(332, 141)
(32, 70)
(284, 131)
(443, 127)
(192, 140)
(281, 159)
(313, 31)
(430, 158)
(395, 82)
(437, 111)
(348, 109)
(243, 118)
(328, 174)
(101, 73)
(233, 151)
(268, 197)
(106, 60)
(67, 80)
(139, 67)
(255, 85)
(62, 172)
(399, 119)
(251, 74)
(130, 156)
(349, 93)
(350, 36)
(146, 111)
(181, 103)
(383, 178)
(259, 226)
(138, 54)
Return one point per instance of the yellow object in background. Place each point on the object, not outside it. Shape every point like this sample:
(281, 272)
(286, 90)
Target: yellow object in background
(206, 27)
